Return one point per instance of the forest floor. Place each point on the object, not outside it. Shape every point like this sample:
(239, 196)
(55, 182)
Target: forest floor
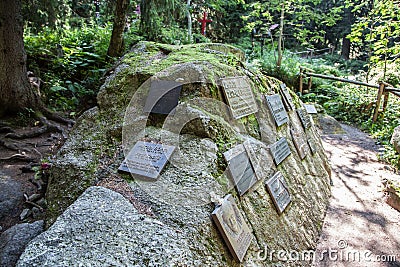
(360, 228)
(20, 160)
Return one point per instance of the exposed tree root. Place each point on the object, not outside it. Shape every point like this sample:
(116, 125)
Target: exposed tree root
(19, 157)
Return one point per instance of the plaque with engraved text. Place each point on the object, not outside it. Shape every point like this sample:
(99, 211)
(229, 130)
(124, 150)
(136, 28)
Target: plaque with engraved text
(310, 109)
(163, 97)
(277, 109)
(287, 98)
(280, 150)
(240, 168)
(240, 96)
(300, 142)
(233, 228)
(279, 191)
(304, 118)
(147, 159)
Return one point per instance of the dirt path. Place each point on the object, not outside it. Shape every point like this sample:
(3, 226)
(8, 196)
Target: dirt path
(360, 229)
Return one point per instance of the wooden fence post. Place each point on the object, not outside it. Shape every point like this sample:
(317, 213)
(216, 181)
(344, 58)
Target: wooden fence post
(301, 81)
(378, 101)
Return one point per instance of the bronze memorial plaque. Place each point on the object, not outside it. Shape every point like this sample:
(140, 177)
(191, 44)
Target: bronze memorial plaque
(279, 191)
(147, 159)
(280, 150)
(276, 107)
(233, 228)
(300, 142)
(163, 97)
(287, 98)
(240, 168)
(304, 118)
(310, 109)
(240, 96)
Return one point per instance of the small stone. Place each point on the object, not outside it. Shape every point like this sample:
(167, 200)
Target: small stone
(35, 212)
(25, 214)
(34, 197)
(41, 202)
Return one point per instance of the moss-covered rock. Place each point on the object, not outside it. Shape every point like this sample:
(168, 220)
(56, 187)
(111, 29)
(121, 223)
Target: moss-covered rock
(202, 129)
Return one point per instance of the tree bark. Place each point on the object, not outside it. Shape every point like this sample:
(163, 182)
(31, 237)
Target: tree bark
(15, 90)
(116, 47)
(346, 48)
(279, 62)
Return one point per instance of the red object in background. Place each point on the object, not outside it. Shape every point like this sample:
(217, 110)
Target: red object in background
(204, 22)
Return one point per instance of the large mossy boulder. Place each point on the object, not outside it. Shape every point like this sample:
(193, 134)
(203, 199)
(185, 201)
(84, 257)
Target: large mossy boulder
(202, 129)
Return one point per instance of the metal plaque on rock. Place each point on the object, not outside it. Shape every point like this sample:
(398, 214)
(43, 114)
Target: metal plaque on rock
(279, 191)
(280, 150)
(287, 98)
(240, 168)
(163, 97)
(312, 145)
(240, 96)
(147, 159)
(277, 109)
(304, 118)
(310, 109)
(233, 228)
(300, 142)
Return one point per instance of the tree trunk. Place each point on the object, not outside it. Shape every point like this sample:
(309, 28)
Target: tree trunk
(116, 47)
(189, 18)
(346, 48)
(279, 63)
(15, 90)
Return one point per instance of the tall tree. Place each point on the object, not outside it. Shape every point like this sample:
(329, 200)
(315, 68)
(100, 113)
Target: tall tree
(15, 90)
(116, 47)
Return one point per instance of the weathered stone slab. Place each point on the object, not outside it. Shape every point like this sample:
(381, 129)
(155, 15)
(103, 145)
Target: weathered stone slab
(280, 150)
(240, 96)
(233, 228)
(147, 159)
(304, 118)
(300, 142)
(287, 98)
(163, 97)
(279, 191)
(240, 168)
(313, 146)
(277, 109)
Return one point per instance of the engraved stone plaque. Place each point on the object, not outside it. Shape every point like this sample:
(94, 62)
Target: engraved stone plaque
(287, 98)
(310, 109)
(240, 168)
(163, 97)
(304, 118)
(239, 96)
(276, 107)
(300, 142)
(313, 146)
(280, 150)
(147, 159)
(279, 191)
(233, 228)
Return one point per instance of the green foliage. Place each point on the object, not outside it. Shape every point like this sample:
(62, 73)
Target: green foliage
(70, 63)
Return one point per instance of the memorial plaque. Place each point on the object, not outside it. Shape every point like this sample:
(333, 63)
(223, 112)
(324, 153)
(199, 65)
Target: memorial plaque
(279, 191)
(276, 107)
(233, 228)
(288, 100)
(240, 168)
(280, 150)
(300, 142)
(147, 159)
(304, 118)
(310, 109)
(163, 97)
(239, 96)
(313, 146)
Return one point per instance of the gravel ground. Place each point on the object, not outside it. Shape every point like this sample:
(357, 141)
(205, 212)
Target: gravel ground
(360, 229)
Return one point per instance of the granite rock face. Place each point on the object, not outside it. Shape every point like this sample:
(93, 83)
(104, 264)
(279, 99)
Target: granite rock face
(201, 129)
(396, 138)
(14, 240)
